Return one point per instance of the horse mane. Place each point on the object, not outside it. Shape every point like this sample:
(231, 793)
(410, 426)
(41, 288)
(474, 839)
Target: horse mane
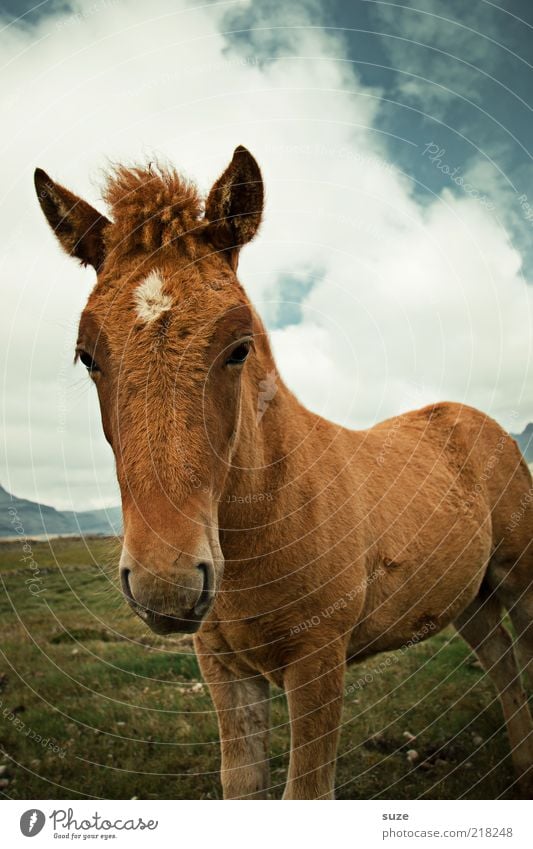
(152, 207)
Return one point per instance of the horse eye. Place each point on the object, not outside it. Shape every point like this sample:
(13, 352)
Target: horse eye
(88, 361)
(239, 354)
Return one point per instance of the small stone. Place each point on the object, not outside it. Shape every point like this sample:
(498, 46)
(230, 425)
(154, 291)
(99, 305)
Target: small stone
(477, 740)
(409, 737)
(3, 769)
(4, 782)
(468, 765)
(75, 651)
(412, 756)
(197, 688)
(121, 723)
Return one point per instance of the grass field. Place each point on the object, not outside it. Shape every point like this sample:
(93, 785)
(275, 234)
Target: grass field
(94, 705)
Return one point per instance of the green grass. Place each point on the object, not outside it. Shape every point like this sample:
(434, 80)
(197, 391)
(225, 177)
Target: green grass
(123, 714)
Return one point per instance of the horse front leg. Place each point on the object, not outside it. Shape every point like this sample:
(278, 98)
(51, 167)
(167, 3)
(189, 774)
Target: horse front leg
(242, 706)
(315, 689)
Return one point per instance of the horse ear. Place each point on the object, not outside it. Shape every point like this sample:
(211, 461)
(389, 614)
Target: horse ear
(235, 203)
(78, 226)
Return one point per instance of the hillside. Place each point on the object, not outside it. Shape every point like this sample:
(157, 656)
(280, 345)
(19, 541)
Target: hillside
(37, 519)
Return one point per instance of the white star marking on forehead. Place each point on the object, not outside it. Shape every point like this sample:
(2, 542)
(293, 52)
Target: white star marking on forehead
(149, 298)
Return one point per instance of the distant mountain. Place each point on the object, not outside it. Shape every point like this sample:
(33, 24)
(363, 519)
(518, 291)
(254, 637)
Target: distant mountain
(37, 519)
(525, 442)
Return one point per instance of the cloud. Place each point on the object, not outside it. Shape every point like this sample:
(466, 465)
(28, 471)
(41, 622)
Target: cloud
(395, 303)
(442, 52)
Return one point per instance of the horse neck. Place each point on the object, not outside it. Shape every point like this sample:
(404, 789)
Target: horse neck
(270, 426)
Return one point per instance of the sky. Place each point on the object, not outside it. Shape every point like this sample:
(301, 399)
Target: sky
(394, 266)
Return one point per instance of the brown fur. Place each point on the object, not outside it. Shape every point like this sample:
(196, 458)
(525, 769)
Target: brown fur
(152, 208)
(307, 544)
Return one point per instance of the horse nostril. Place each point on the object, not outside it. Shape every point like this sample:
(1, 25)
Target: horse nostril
(205, 595)
(125, 581)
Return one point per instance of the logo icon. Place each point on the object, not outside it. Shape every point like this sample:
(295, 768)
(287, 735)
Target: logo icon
(32, 822)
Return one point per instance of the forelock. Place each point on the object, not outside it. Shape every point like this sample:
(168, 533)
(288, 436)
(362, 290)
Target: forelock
(152, 208)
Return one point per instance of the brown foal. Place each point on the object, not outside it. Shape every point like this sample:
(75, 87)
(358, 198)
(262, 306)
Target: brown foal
(289, 545)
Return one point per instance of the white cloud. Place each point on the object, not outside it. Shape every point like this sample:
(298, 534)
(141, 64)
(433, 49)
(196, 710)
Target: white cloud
(411, 304)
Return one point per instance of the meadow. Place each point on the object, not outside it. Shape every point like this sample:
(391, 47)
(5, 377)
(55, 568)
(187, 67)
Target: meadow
(92, 705)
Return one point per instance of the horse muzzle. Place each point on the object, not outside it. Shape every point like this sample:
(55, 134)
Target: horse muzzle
(174, 602)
